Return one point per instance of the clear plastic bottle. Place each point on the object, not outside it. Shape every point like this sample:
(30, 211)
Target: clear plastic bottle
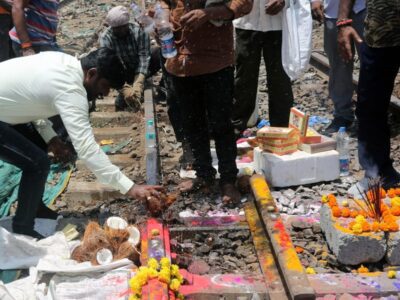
(342, 146)
(164, 29)
(143, 19)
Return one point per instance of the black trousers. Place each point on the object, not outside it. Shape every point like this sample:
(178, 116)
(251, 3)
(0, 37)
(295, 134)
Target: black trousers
(379, 67)
(23, 147)
(5, 42)
(205, 103)
(250, 45)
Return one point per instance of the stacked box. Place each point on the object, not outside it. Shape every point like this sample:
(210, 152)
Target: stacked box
(278, 140)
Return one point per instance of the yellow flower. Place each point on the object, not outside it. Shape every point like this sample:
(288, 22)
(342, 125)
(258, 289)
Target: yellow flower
(174, 270)
(136, 287)
(395, 201)
(180, 297)
(165, 263)
(152, 273)
(324, 199)
(175, 285)
(134, 297)
(164, 275)
(155, 232)
(153, 264)
(357, 228)
(391, 274)
(360, 219)
(345, 203)
(310, 270)
(180, 278)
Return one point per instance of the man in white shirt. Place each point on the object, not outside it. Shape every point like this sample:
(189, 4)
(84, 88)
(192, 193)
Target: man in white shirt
(341, 73)
(260, 33)
(43, 85)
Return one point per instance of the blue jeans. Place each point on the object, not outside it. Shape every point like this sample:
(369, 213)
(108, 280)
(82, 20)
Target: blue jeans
(379, 67)
(22, 151)
(340, 73)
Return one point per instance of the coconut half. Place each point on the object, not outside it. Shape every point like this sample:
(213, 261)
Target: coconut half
(116, 223)
(134, 235)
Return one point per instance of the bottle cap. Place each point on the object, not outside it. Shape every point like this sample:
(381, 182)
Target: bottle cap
(342, 129)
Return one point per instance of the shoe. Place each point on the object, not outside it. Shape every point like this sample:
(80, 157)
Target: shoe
(230, 195)
(334, 126)
(46, 213)
(357, 190)
(27, 231)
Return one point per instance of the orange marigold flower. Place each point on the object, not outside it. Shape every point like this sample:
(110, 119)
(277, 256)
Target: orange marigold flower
(395, 210)
(397, 191)
(353, 213)
(363, 213)
(375, 227)
(370, 196)
(391, 193)
(299, 249)
(393, 226)
(389, 219)
(336, 211)
(345, 212)
(351, 224)
(383, 226)
(332, 200)
(362, 269)
(384, 207)
(365, 227)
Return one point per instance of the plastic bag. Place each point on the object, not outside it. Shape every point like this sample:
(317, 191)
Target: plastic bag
(296, 37)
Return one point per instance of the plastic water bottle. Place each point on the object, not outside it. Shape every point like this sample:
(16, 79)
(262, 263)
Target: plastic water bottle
(342, 140)
(140, 17)
(164, 29)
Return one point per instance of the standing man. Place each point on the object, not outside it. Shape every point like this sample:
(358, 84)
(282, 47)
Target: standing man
(340, 72)
(380, 62)
(40, 86)
(35, 24)
(5, 25)
(202, 78)
(260, 33)
(132, 44)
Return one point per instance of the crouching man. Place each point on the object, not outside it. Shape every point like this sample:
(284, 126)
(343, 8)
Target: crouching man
(48, 84)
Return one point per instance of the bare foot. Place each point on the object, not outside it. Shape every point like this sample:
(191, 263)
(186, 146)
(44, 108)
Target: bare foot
(193, 185)
(230, 195)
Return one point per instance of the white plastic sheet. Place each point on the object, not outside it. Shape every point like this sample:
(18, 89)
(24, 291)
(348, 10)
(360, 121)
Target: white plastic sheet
(296, 37)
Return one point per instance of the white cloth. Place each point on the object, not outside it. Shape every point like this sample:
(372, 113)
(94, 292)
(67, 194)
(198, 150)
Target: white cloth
(331, 7)
(258, 20)
(21, 252)
(51, 83)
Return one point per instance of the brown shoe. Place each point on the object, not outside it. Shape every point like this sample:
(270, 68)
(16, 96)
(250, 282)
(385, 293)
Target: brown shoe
(194, 185)
(230, 195)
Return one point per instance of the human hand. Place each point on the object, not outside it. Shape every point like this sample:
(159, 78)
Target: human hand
(194, 19)
(273, 7)
(317, 11)
(61, 151)
(145, 192)
(28, 51)
(130, 98)
(346, 35)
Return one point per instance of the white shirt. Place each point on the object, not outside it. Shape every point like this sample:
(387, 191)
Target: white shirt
(331, 7)
(51, 83)
(258, 20)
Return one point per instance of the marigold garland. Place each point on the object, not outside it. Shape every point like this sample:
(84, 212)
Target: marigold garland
(164, 271)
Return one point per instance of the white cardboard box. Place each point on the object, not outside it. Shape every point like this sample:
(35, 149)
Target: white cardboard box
(297, 168)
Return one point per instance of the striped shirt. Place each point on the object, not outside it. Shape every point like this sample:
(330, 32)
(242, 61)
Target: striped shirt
(41, 21)
(134, 49)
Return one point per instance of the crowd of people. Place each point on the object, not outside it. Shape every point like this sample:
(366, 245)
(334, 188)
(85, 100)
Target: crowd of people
(211, 86)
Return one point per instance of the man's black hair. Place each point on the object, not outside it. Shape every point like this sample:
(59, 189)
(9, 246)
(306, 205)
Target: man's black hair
(108, 65)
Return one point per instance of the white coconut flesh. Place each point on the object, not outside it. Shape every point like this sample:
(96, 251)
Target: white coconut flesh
(134, 235)
(116, 223)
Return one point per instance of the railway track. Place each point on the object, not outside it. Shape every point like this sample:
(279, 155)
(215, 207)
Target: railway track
(281, 274)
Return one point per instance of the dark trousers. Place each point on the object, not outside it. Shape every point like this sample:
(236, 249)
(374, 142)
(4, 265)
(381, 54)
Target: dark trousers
(206, 104)
(5, 42)
(379, 67)
(249, 47)
(22, 147)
